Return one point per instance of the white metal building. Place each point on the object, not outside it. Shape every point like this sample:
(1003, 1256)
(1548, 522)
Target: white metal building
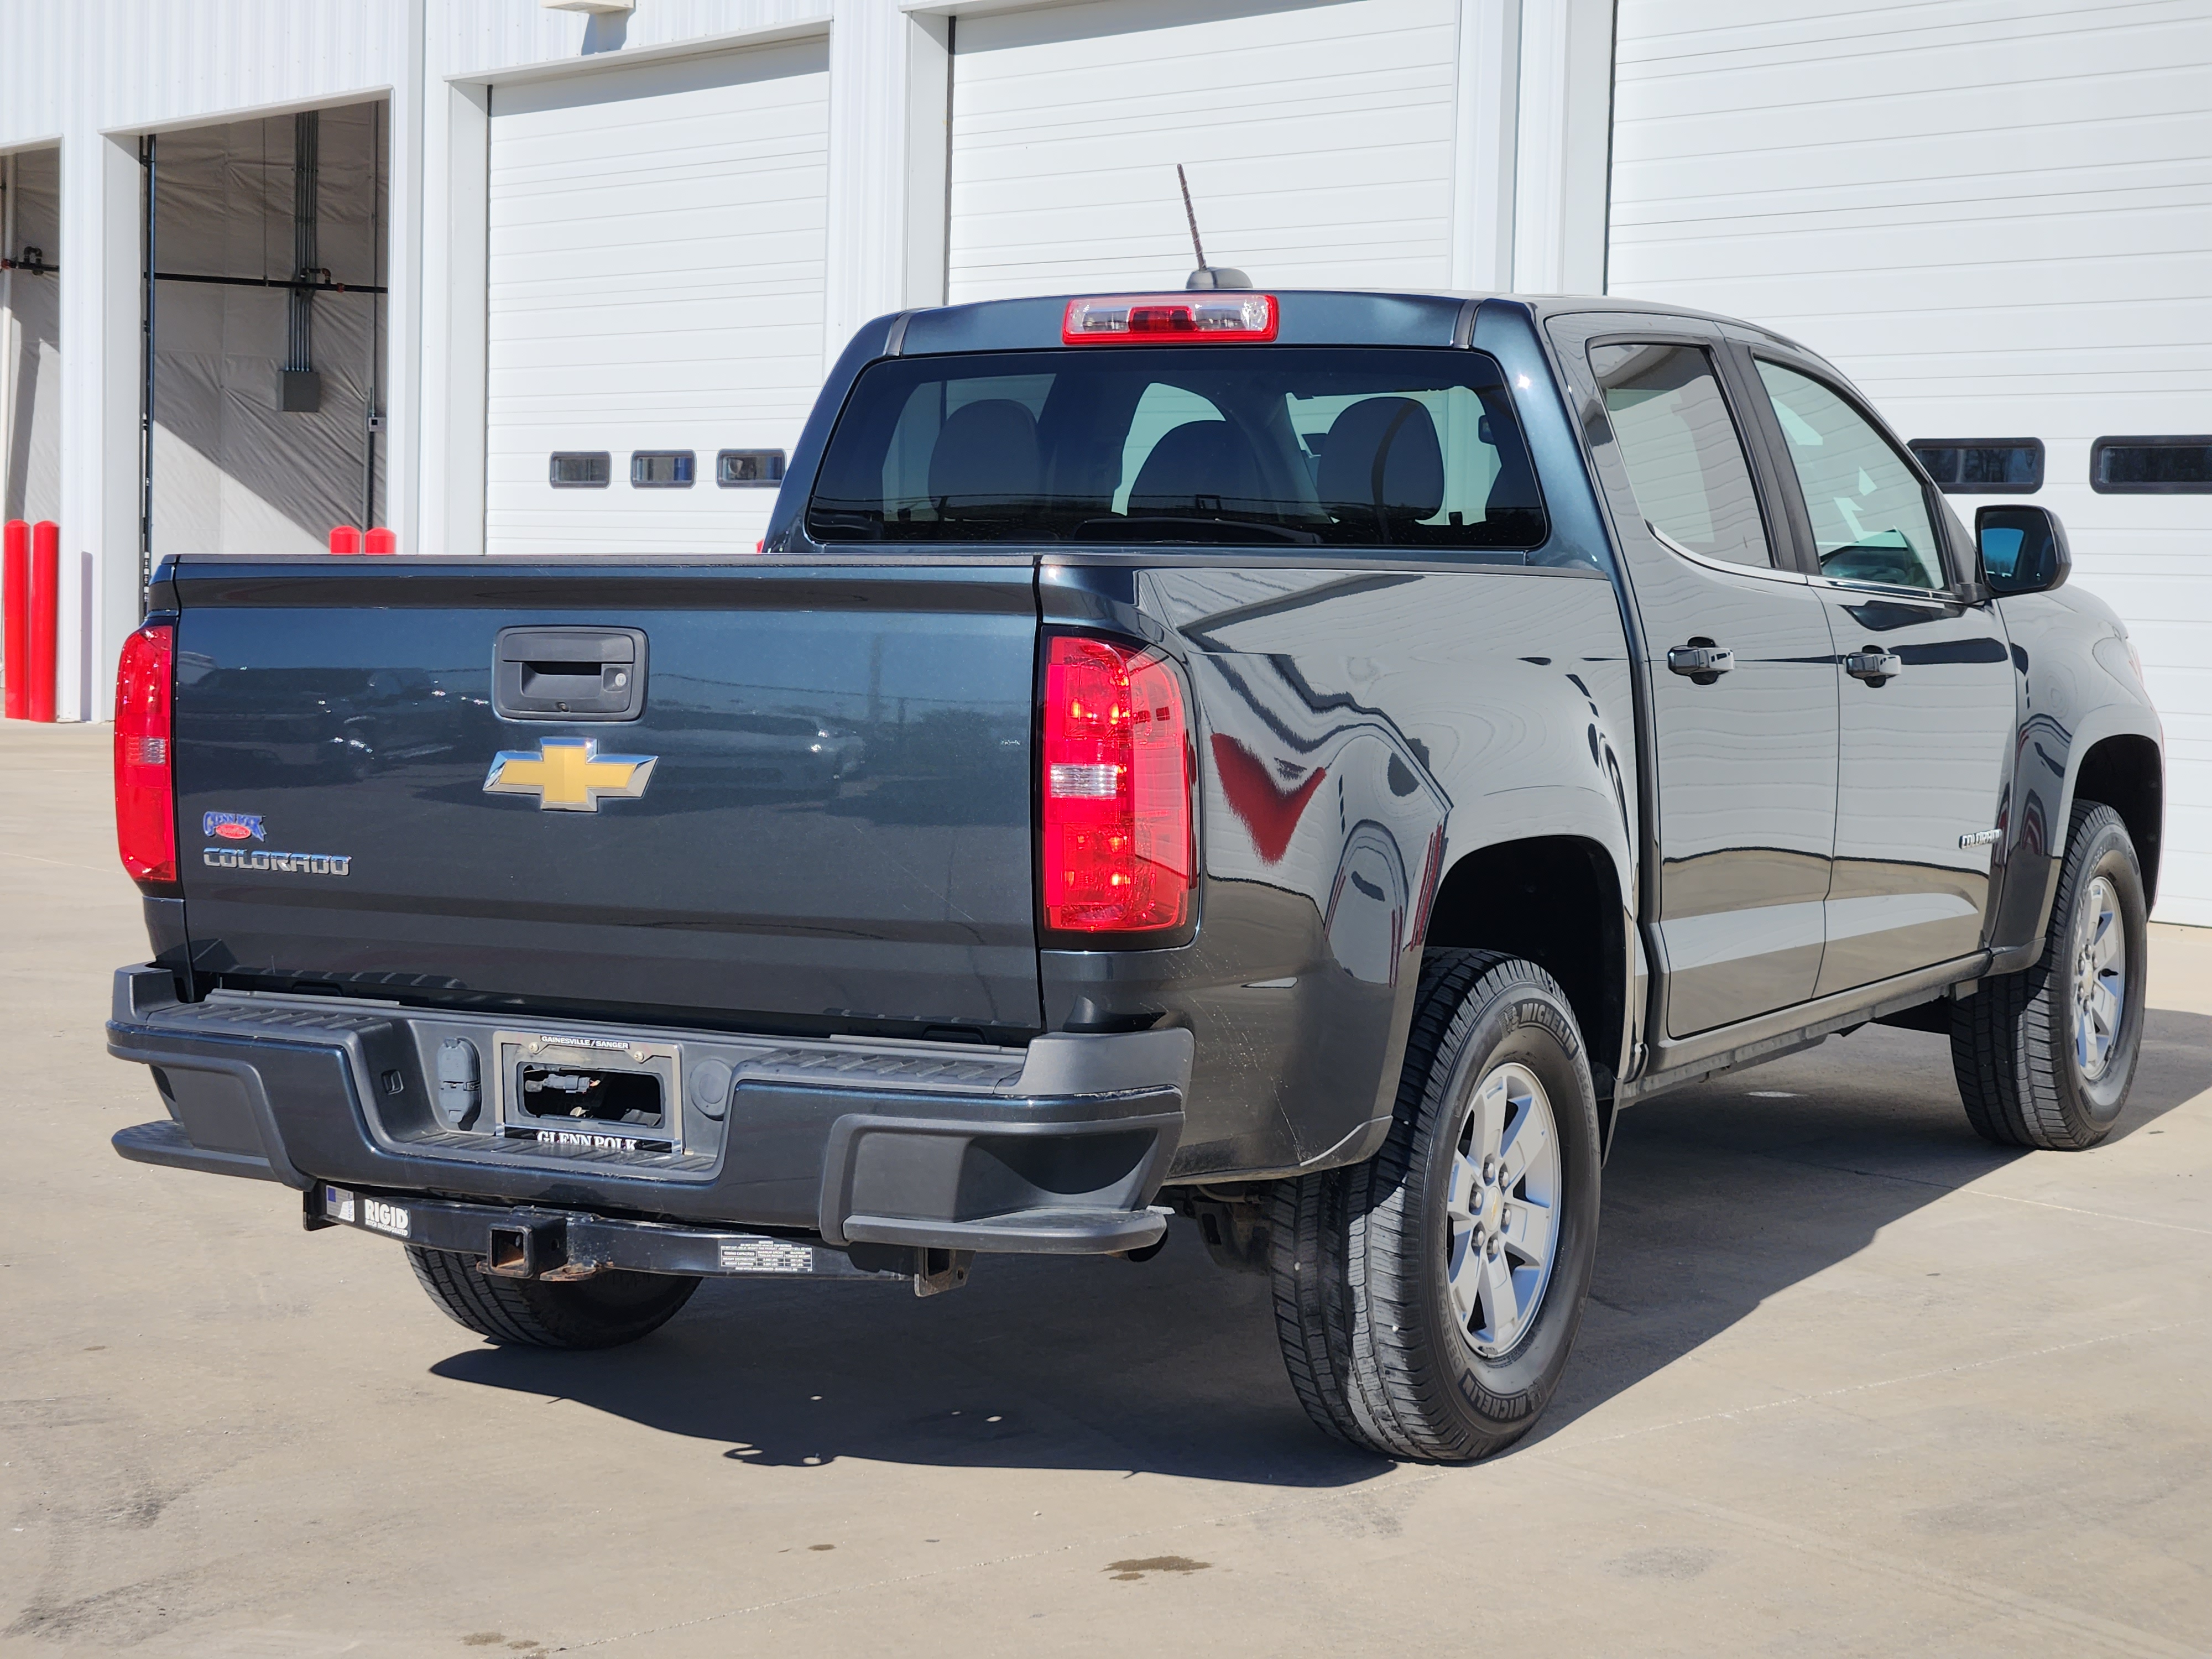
(577, 273)
(1997, 216)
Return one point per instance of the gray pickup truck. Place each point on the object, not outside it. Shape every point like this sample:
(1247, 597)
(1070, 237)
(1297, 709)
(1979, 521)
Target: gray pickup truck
(1303, 761)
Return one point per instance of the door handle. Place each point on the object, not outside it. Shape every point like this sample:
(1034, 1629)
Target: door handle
(568, 673)
(1874, 667)
(1703, 661)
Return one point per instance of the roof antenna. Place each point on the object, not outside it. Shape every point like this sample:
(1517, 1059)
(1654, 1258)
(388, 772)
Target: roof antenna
(1206, 276)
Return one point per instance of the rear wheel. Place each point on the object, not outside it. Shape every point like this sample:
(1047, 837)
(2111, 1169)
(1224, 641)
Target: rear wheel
(2045, 1058)
(1427, 1300)
(603, 1311)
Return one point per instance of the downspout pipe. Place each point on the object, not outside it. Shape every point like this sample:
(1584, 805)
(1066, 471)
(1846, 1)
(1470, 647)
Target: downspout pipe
(300, 388)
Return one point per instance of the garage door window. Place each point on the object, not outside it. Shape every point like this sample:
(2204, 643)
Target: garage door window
(1982, 467)
(2151, 466)
(1298, 447)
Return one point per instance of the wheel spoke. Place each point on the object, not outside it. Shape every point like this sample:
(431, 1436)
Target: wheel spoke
(1465, 1269)
(2106, 945)
(2105, 1007)
(1501, 1298)
(1531, 1136)
(1491, 1108)
(1459, 1201)
(1528, 1230)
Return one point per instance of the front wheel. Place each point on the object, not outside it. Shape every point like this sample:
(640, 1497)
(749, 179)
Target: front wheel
(2045, 1058)
(603, 1311)
(1427, 1300)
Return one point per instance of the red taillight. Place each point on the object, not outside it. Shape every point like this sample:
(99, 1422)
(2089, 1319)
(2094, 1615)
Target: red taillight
(1169, 319)
(145, 773)
(1116, 797)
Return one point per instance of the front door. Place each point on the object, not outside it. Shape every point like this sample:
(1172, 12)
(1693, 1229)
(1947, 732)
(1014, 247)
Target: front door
(1741, 674)
(1927, 693)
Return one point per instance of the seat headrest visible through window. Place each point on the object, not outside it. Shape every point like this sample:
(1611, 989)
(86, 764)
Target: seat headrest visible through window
(986, 458)
(1382, 460)
(1199, 467)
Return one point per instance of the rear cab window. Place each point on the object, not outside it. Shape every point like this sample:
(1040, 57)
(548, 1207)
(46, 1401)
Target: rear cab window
(1683, 456)
(1329, 448)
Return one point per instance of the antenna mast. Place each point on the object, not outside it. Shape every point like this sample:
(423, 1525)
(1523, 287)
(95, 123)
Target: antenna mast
(1189, 213)
(1206, 276)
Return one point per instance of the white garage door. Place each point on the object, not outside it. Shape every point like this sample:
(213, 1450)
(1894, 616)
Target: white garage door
(1318, 140)
(1999, 221)
(655, 291)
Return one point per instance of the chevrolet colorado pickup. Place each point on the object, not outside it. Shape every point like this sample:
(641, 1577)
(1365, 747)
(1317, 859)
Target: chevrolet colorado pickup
(1304, 760)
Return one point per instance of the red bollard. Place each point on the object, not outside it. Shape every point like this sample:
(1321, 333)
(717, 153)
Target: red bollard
(344, 538)
(15, 642)
(379, 540)
(45, 594)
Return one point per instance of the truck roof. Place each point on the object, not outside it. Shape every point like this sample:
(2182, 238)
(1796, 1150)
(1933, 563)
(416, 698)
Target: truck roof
(1308, 317)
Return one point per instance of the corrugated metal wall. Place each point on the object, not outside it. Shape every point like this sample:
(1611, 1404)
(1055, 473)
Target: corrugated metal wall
(1319, 143)
(656, 283)
(1997, 216)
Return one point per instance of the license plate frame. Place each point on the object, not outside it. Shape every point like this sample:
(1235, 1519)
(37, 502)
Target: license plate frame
(588, 1051)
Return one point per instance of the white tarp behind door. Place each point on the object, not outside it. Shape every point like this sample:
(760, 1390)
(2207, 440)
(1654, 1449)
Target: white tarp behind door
(32, 341)
(1998, 221)
(1318, 140)
(233, 471)
(655, 283)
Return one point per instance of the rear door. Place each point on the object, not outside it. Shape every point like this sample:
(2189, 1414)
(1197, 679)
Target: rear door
(1741, 674)
(820, 813)
(1927, 697)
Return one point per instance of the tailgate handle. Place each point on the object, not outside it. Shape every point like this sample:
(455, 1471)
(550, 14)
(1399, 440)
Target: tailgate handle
(568, 673)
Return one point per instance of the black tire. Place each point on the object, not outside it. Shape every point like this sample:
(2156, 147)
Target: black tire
(1364, 1302)
(603, 1311)
(2013, 1042)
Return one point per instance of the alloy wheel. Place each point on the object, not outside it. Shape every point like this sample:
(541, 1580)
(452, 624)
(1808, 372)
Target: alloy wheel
(1503, 1209)
(2100, 978)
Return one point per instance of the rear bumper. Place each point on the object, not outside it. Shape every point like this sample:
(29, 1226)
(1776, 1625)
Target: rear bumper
(1059, 1148)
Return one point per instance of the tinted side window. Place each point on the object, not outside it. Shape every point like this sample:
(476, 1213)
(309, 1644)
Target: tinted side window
(1683, 458)
(1870, 513)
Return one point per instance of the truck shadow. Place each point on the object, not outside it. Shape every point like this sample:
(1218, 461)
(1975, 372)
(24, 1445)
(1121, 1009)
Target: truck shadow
(1716, 1198)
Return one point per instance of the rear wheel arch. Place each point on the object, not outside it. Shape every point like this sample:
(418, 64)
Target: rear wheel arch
(1555, 900)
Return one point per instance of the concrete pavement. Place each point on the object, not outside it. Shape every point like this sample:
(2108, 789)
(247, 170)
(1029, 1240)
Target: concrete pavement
(1851, 1382)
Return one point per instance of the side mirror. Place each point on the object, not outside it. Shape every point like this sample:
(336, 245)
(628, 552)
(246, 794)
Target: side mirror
(2023, 549)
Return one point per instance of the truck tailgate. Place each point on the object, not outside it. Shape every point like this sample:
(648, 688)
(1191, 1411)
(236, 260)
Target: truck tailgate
(834, 826)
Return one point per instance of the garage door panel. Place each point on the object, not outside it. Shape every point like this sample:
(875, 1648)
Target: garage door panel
(657, 207)
(1319, 142)
(656, 282)
(1998, 219)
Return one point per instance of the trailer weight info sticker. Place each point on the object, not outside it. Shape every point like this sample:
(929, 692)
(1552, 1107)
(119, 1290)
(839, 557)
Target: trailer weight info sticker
(385, 1217)
(766, 1256)
(337, 1204)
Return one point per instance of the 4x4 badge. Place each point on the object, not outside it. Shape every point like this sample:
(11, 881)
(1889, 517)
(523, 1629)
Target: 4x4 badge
(569, 774)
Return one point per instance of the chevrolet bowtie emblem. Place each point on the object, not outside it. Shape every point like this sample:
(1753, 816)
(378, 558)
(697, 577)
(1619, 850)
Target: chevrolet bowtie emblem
(569, 774)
